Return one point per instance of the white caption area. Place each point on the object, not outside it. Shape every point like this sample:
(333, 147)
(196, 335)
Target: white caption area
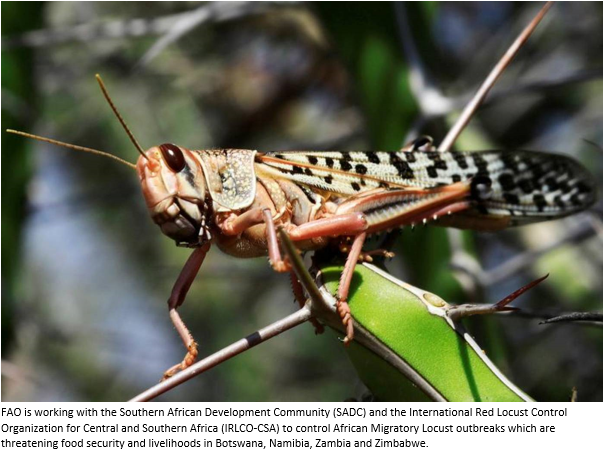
(302, 426)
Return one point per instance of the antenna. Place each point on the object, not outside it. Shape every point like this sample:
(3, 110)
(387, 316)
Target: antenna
(72, 146)
(119, 116)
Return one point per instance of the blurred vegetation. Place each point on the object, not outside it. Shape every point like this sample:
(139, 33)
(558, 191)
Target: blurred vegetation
(92, 273)
(19, 92)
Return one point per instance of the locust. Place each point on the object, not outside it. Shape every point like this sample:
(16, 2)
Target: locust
(238, 198)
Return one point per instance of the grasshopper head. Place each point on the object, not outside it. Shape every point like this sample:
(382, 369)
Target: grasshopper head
(175, 192)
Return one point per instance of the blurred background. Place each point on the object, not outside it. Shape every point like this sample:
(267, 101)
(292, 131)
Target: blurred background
(86, 274)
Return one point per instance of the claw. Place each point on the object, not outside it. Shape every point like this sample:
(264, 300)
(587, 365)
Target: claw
(347, 320)
(367, 255)
(187, 361)
(282, 266)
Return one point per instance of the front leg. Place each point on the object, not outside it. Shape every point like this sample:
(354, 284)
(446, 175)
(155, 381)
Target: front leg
(237, 224)
(177, 297)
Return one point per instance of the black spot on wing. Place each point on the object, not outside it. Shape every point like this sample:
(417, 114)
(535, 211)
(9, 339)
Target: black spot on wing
(551, 183)
(576, 201)
(460, 159)
(403, 168)
(480, 162)
(345, 166)
(540, 202)
(507, 181)
(373, 157)
(361, 169)
(511, 198)
(440, 164)
(564, 187)
(583, 187)
(559, 202)
(510, 161)
(432, 171)
(410, 156)
(527, 186)
(312, 160)
(538, 172)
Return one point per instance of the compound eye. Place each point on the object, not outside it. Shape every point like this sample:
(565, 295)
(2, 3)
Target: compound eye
(173, 156)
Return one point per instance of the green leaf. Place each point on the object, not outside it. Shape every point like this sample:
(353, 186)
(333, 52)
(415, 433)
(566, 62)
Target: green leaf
(398, 315)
